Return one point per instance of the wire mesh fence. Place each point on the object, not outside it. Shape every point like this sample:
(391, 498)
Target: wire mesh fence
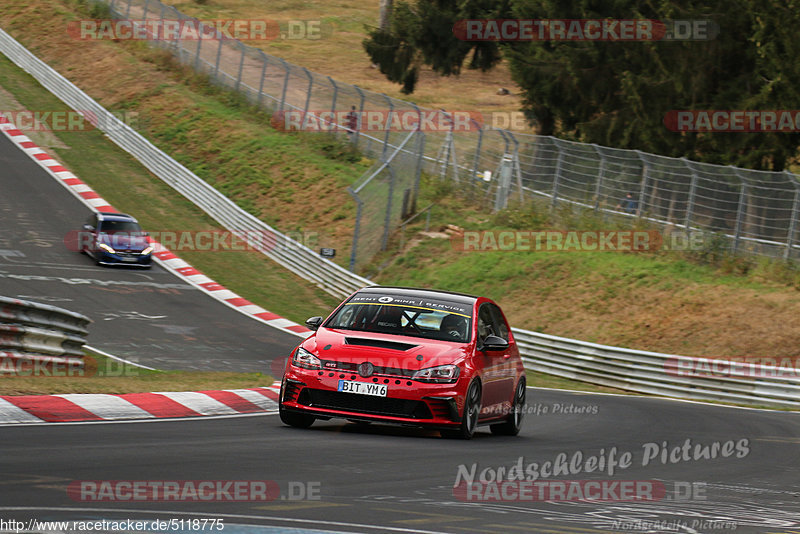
(757, 211)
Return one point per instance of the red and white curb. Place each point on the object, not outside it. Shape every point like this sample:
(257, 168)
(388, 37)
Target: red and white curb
(163, 256)
(82, 407)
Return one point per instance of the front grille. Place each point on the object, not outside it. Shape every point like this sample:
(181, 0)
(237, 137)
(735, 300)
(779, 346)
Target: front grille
(331, 365)
(367, 404)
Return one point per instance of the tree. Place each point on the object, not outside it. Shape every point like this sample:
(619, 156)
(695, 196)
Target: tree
(618, 93)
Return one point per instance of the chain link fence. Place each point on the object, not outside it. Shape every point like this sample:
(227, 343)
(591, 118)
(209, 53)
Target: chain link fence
(758, 211)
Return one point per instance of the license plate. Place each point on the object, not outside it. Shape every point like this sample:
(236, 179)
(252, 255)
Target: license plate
(128, 259)
(363, 388)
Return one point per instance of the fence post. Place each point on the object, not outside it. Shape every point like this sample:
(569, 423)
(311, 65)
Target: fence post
(418, 170)
(356, 228)
(600, 175)
(740, 211)
(334, 125)
(643, 187)
(517, 168)
(692, 192)
(476, 160)
(308, 94)
(360, 113)
(388, 127)
(794, 217)
(219, 54)
(197, 50)
(504, 183)
(285, 84)
(263, 75)
(557, 175)
(241, 65)
(388, 218)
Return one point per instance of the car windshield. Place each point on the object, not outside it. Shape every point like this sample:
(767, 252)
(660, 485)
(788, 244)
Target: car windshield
(114, 227)
(426, 318)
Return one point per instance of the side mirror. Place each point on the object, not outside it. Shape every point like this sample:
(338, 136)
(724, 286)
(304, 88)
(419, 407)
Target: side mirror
(313, 323)
(494, 343)
(88, 227)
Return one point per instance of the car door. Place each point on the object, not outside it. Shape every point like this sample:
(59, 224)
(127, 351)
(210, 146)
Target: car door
(493, 363)
(508, 367)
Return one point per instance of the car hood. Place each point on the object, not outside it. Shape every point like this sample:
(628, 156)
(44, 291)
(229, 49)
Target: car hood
(384, 350)
(124, 241)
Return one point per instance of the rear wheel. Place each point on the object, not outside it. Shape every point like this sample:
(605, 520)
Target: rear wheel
(469, 420)
(513, 424)
(297, 420)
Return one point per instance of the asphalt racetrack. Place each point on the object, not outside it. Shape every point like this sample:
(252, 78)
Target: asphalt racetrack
(338, 476)
(148, 316)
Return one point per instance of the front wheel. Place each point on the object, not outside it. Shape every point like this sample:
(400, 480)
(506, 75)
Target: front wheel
(297, 420)
(469, 420)
(513, 424)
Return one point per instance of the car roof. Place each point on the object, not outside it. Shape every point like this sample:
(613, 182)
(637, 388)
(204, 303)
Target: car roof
(106, 216)
(462, 298)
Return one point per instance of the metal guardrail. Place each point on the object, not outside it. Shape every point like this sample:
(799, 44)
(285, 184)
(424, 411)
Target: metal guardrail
(660, 374)
(40, 334)
(633, 370)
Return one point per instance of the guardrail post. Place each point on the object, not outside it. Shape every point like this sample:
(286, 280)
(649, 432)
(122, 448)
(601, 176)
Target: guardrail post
(794, 217)
(740, 211)
(388, 128)
(263, 76)
(285, 84)
(557, 176)
(241, 66)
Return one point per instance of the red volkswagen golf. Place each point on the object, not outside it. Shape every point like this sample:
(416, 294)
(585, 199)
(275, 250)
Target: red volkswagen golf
(411, 357)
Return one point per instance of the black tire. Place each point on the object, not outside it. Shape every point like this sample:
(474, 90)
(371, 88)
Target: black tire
(469, 419)
(297, 420)
(513, 424)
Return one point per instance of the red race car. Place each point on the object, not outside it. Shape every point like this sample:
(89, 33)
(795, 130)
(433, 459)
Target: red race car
(404, 356)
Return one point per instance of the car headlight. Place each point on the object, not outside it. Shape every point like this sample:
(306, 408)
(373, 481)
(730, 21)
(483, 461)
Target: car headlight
(306, 360)
(441, 374)
(147, 251)
(106, 248)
